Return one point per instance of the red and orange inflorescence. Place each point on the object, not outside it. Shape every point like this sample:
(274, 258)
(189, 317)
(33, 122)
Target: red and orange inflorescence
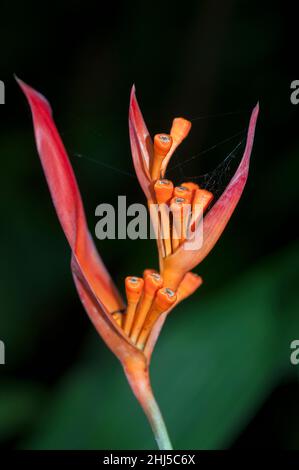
(131, 329)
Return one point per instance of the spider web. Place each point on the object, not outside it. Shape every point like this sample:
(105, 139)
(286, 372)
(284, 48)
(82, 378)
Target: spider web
(214, 180)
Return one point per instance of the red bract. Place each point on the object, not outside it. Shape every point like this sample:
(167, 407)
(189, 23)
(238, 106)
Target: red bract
(94, 284)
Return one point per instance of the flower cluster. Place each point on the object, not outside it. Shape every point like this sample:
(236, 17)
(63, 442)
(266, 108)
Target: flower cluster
(131, 329)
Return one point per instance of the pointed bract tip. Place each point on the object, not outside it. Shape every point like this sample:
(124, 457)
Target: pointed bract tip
(133, 92)
(20, 82)
(32, 95)
(256, 108)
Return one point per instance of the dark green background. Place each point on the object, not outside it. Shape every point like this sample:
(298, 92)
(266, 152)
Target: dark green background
(221, 370)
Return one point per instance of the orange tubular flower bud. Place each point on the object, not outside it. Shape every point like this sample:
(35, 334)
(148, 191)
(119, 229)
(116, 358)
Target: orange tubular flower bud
(152, 283)
(184, 192)
(188, 286)
(162, 145)
(203, 197)
(190, 185)
(164, 190)
(179, 131)
(201, 200)
(134, 287)
(164, 299)
(149, 271)
(176, 206)
(181, 192)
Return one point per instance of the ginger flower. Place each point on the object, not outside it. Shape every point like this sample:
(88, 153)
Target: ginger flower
(130, 328)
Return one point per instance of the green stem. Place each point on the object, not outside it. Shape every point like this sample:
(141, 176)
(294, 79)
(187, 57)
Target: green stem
(158, 426)
(138, 378)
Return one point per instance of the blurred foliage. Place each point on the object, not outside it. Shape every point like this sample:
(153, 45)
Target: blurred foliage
(221, 369)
